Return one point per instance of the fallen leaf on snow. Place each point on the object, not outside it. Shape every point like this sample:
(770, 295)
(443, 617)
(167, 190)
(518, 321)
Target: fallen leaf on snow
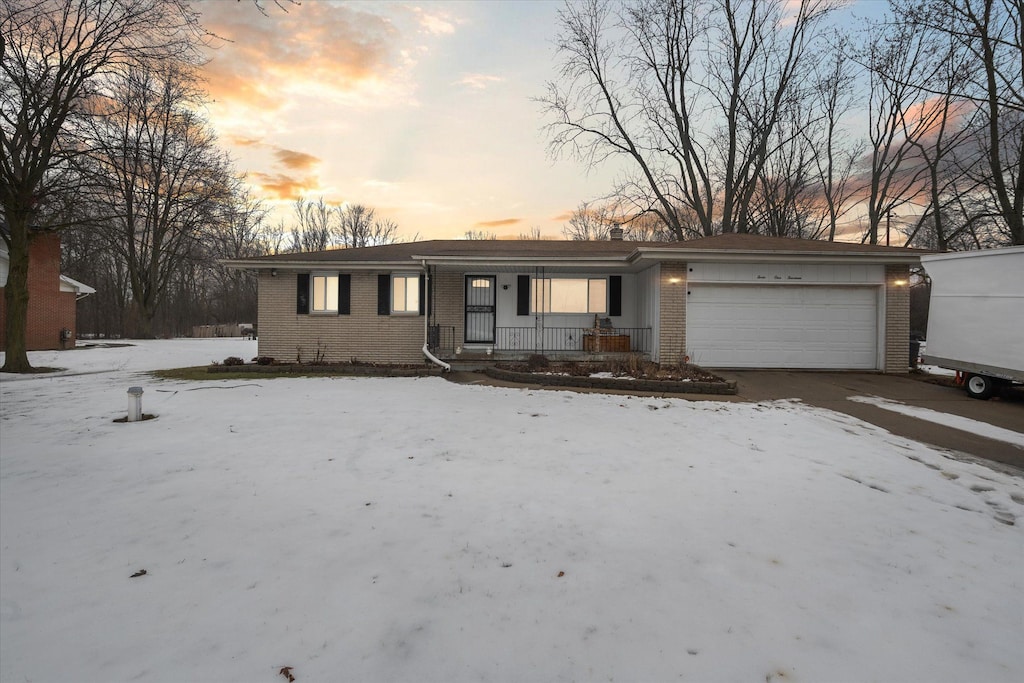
(141, 572)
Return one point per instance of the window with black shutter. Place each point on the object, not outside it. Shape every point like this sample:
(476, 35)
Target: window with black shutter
(302, 294)
(344, 294)
(523, 295)
(384, 294)
(615, 295)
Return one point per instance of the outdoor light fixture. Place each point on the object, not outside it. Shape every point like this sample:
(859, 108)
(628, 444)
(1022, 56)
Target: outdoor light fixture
(273, 272)
(899, 283)
(674, 280)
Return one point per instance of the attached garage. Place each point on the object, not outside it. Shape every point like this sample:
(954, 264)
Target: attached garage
(820, 317)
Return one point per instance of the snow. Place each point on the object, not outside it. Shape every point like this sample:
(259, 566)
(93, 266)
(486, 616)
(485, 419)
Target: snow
(415, 530)
(611, 375)
(964, 424)
(933, 369)
(937, 371)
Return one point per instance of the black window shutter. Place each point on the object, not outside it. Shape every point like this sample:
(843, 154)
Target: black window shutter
(302, 294)
(384, 294)
(344, 294)
(523, 295)
(615, 295)
(423, 293)
(430, 296)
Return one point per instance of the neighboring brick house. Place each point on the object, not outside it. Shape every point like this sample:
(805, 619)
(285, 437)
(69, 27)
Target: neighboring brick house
(51, 296)
(724, 301)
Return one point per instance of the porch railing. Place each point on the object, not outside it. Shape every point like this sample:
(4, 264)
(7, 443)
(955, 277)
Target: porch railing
(441, 339)
(619, 339)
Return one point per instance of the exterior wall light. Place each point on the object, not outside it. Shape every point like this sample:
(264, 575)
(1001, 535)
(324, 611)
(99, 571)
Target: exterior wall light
(674, 280)
(899, 283)
(273, 272)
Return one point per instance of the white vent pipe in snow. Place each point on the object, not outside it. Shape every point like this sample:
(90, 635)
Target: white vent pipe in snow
(134, 404)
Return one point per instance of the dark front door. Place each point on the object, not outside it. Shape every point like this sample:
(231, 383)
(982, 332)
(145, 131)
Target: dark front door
(480, 309)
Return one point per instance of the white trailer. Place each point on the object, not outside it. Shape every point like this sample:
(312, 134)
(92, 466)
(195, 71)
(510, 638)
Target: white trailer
(976, 317)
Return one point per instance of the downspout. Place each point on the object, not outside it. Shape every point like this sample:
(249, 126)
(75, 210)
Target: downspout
(426, 322)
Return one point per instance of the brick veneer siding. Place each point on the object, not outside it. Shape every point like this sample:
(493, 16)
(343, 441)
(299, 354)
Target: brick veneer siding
(449, 308)
(49, 309)
(897, 319)
(672, 314)
(364, 336)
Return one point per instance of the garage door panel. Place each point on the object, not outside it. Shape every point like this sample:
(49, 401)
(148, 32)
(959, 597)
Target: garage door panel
(783, 326)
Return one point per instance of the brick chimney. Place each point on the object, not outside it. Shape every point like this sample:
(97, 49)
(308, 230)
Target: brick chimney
(615, 234)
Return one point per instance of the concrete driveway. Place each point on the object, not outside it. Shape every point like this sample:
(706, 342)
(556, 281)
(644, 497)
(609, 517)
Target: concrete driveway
(833, 390)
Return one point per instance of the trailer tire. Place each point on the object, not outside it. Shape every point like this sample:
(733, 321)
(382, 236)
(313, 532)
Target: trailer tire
(981, 386)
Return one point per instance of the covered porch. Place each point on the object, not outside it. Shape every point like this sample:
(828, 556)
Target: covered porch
(583, 311)
(517, 343)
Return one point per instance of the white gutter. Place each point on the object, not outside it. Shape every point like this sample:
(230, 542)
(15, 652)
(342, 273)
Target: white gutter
(426, 322)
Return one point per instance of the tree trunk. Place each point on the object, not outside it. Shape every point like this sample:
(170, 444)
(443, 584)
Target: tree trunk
(16, 295)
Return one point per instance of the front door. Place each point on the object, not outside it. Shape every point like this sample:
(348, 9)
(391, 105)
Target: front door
(480, 309)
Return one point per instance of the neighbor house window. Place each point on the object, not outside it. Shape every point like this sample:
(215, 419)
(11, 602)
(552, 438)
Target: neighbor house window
(405, 293)
(570, 295)
(325, 293)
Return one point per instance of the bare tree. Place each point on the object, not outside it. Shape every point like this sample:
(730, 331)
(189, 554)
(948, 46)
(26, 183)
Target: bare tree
(239, 235)
(950, 75)
(533, 233)
(479, 235)
(783, 203)
(901, 112)
(54, 56)
(593, 221)
(359, 227)
(990, 35)
(161, 181)
(314, 228)
(689, 93)
(834, 163)
(588, 222)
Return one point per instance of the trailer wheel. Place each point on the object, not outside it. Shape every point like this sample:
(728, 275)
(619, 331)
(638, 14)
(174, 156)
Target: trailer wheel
(980, 386)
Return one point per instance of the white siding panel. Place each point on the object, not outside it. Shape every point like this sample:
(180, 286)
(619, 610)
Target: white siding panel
(782, 326)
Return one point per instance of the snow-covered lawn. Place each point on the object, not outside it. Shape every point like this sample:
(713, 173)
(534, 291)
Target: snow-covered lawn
(418, 530)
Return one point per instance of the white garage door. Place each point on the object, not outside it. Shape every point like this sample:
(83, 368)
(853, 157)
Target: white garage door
(739, 326)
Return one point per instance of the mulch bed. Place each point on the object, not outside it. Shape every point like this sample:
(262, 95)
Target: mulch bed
(667, 386)
(340, 369)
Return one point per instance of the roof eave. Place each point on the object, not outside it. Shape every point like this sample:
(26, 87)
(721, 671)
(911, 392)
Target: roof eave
(659, 254)
(305, 265)
(619, 261)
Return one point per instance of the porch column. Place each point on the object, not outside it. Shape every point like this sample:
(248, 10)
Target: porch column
(672, 313)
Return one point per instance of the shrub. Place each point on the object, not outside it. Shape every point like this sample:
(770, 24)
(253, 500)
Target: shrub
(233, 360)
(263, 360)
(537, 362)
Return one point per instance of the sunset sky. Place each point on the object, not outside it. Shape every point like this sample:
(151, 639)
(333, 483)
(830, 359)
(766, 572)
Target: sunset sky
(420, 110)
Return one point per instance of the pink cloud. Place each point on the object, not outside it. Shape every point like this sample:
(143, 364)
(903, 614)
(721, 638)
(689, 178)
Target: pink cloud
(320, 44)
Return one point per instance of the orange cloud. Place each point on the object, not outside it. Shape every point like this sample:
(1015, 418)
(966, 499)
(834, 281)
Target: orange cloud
(927, 116)
(296, 161)
(316, 45)
(282, 185)
(498, 223)
(563, 217)
(242, 141)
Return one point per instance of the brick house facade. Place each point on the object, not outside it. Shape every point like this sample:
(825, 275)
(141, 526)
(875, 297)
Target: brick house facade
(725, 301)
(51, 303)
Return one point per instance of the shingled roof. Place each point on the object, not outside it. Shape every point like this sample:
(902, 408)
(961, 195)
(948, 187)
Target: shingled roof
(621, 251)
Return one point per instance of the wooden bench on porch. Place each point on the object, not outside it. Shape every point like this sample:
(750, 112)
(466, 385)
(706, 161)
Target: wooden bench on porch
(603, 338)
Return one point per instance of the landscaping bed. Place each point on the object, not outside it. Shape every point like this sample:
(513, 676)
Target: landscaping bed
(630, 373)
(236, 366)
